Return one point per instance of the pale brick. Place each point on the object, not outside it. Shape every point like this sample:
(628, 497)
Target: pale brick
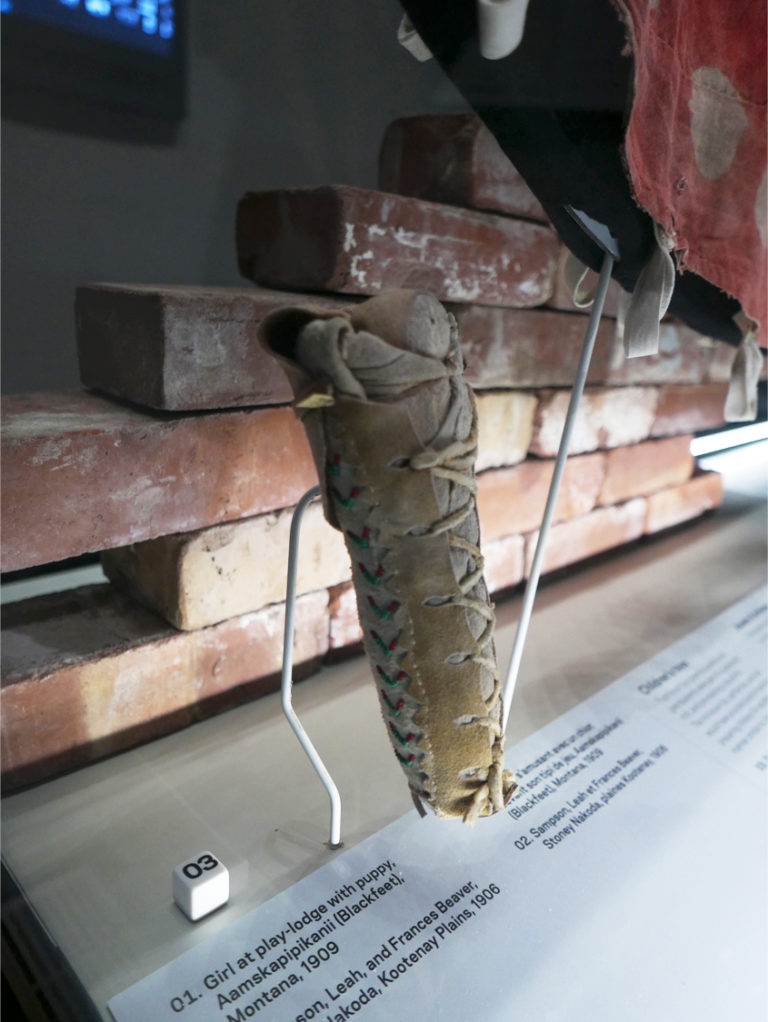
(690, 409)
(607, 417)
(182, 348)
(504, 562)
(505, 423)
(345, 627)
(527, 347)
(600, 530)
(643, 468)
(511, 500)
(88, 673)
(681, 503)
(453, 158)
(200, 578)
(353, 241)
(81, 473)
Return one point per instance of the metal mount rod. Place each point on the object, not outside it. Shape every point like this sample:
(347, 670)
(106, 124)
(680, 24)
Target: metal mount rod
(287, 679)
(554, 488)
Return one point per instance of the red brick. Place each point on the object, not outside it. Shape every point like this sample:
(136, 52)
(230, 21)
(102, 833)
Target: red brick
(721, 363)
(192, 348)
(181, 348)
(684, 356)
(562, 296)
(511, 500)
(362, 242)
(541, 348)
(453, 158)
(81, 473)
(88, 673)
(579, 538)
(606, 417)
(690, 408)
(643, 468)
(681, 503)
(516, 348)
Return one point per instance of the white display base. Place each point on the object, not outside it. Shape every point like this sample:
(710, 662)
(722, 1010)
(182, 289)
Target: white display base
(607, 890)
(93, 851)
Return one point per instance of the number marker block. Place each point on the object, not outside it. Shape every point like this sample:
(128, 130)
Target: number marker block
(200, 885)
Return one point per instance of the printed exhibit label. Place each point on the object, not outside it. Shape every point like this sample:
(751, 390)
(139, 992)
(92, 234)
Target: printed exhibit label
(627, 879)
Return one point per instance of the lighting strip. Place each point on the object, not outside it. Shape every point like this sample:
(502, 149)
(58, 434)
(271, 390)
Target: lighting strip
(727, 438)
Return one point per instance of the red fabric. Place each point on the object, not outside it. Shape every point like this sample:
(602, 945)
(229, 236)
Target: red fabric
(696, 142)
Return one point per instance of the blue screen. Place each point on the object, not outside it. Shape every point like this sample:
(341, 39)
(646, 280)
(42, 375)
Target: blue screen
(143, 24)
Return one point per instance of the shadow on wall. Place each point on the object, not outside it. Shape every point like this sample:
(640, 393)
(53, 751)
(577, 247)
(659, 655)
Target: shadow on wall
(279, 94)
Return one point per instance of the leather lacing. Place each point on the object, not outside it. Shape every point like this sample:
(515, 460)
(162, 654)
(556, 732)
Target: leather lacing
(399, 707)
(455, 463)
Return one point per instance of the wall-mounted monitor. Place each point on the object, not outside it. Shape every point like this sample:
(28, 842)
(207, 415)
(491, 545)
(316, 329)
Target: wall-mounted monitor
(120, 54)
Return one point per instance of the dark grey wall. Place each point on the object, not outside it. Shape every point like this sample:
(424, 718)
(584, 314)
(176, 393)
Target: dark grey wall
(280, 93)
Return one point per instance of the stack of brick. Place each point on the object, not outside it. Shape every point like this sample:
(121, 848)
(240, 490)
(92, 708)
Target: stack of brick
(184, 472)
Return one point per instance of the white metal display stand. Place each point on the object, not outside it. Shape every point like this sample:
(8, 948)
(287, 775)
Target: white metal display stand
(554, 487)
(287, 680)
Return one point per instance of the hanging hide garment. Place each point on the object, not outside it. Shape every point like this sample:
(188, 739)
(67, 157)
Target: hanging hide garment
(640, 114)
(393, 430)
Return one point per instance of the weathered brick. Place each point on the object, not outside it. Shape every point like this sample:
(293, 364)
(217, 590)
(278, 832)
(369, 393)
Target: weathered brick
(721, 363)
(181, 348)
(541, 348)
(562, 296)
(527, 347)
(577, 538)
(689, 408)
(684, 356)
(199, 578)
(345, 627)
(81, 473)
(644, 468)
(511, 500)
(505, 424)
(607, 417)
(453, 158)
(88, 673)
(362, 242)
(681, 503)
(504, 562)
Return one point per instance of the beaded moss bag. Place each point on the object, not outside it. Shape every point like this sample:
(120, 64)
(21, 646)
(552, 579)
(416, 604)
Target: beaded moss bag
(393, 429)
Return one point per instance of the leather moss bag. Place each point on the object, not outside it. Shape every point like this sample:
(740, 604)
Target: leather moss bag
(393, 429)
